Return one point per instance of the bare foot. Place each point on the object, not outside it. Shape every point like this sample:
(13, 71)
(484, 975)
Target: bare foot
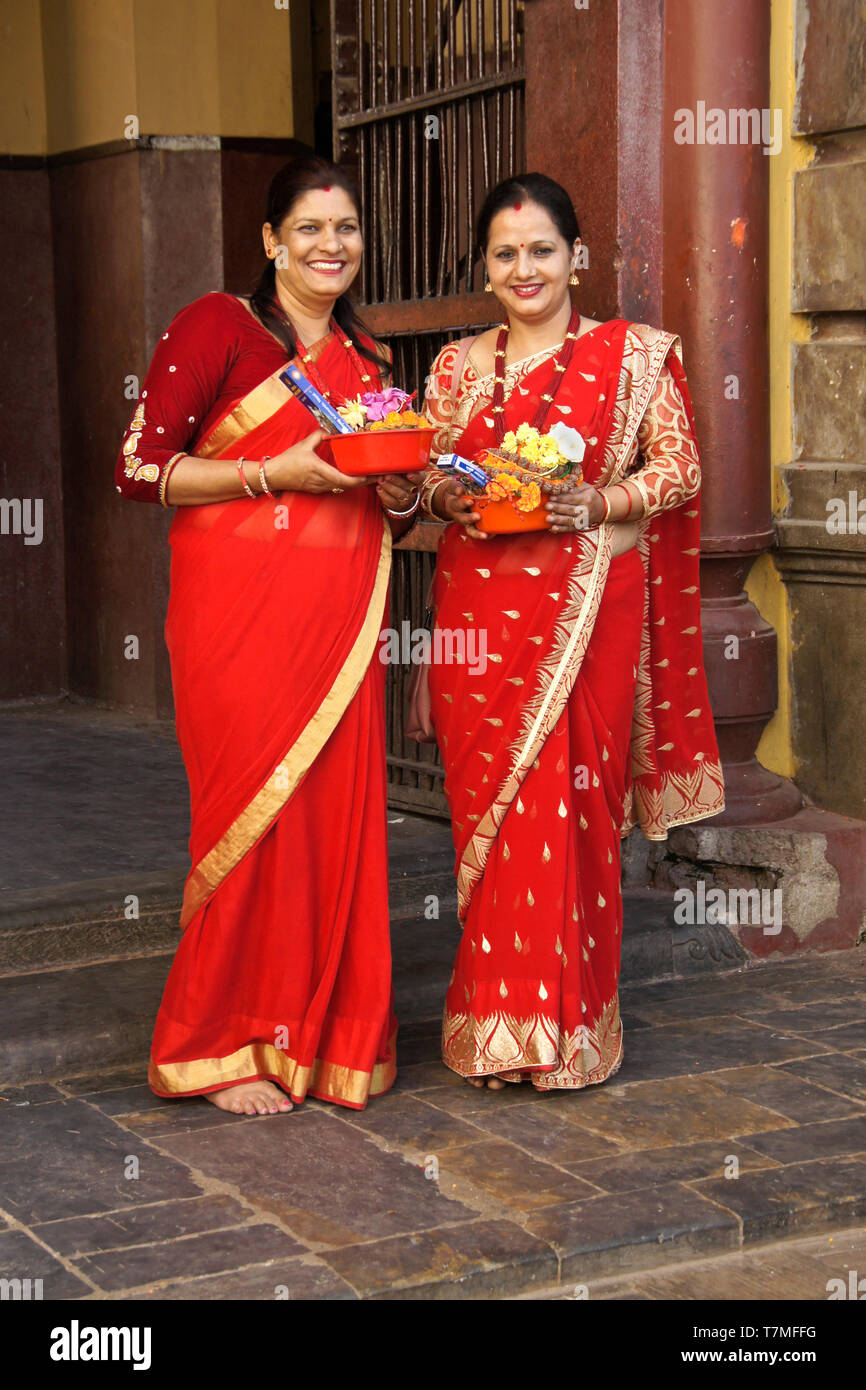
(251, 1098)
(493, 1083)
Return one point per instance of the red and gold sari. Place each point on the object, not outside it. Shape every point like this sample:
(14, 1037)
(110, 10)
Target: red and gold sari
(591, 715)
(284, 967)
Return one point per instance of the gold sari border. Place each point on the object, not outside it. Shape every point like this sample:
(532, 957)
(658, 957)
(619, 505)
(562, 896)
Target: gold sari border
(260, 1061)
(255, 408)
(552, 701)
(534, 1048)
(285, 778)
(545, 707)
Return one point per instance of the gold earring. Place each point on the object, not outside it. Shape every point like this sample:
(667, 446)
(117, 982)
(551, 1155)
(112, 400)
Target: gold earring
(572, 279)
(488, 288)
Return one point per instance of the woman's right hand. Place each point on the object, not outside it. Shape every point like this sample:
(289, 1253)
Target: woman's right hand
(452, 504)
(299, 469)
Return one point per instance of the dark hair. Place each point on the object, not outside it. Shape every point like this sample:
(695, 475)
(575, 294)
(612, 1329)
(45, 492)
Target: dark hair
(290, 183)
(533, 188)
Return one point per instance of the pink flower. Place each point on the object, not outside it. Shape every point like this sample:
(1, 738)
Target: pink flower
(379, 403)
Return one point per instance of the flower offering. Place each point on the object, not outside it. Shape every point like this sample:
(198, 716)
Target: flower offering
(527, 465)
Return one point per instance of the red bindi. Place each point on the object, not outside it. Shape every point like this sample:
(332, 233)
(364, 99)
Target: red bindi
(521, 245)
(517, 207)
(327, 188)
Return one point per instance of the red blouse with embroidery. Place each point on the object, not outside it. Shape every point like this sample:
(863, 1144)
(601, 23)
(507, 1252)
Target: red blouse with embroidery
(213, 353)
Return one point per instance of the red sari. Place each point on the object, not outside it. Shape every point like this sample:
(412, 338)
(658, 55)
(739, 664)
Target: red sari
(592, 714)
(283, 971)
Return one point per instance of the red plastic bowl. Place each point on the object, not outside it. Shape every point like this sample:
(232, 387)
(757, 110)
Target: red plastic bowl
(378, 451)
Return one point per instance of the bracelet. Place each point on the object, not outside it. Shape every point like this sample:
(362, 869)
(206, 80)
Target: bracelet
(428, 505)
(263, 480)
(624, 489)
(606, 500)
(247, 489)
(166, 474)
(409, 510)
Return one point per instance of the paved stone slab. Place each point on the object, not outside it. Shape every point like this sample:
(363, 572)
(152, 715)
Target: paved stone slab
(842, 1073)
(35, 1093)
(512, 1177)
(849, 1038)
(539, 1131)
(411, 1123)
(212, 1252)
(686, 1109)
(424, 1076)
(777, 1089)
(66, 1159)
(325, 1180)
(21, 1258)
(90, 1083)
(804, 1142)
(820, 1018)
(793, 1269)
(711, 1044)
(130, 1100)
(471, 1101)
(113, 1230)
(602, 1235)
(647, 1168)
(278, 1281)
(483, 1259)
(798, 1197)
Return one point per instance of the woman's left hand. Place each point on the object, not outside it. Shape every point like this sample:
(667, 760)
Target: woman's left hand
(397, 491)
(578, 509)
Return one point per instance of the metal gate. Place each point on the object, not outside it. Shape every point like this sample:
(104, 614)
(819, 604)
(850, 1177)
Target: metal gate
(428, 109)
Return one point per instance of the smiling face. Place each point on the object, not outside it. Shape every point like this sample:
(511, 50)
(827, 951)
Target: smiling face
(323, 245)
(528, 261)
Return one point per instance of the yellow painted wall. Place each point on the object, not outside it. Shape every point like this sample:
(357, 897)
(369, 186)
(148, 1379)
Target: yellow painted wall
(74, 70)
(764, 586)
(23, 121)
(90, 77)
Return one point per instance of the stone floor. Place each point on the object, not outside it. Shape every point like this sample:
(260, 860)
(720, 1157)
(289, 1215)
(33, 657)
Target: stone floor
(737, 1120)
(736, 1123)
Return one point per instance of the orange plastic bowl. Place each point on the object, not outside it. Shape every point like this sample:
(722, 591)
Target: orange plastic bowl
(378, 451)
(500, 517)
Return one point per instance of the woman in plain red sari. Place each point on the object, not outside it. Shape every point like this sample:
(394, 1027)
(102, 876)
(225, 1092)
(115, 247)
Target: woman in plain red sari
(279, 578)
(592, 713)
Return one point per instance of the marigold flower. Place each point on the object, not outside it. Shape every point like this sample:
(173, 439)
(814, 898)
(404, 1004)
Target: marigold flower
(529, 498)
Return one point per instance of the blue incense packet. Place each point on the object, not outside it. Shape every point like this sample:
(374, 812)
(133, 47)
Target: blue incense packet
(462, 468)
(325, 414)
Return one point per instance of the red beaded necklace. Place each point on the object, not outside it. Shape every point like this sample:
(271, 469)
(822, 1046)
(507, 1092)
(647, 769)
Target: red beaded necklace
(312, 370)
(560, 363)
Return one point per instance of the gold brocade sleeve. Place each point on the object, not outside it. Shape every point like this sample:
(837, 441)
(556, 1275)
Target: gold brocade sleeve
(439, 408)
(670, 472)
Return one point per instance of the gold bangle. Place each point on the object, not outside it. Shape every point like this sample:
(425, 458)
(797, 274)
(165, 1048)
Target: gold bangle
(606, 500)
(263, 480)
(243, 477)
(427, 502)
(166, 474)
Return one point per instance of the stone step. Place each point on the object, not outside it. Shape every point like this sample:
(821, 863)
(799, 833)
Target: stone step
(87, 1015)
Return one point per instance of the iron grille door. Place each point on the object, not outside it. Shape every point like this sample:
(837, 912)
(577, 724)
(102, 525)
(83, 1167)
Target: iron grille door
(428, 108)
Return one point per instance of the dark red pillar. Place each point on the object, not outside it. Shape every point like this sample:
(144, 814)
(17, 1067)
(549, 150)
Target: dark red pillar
(715, 295)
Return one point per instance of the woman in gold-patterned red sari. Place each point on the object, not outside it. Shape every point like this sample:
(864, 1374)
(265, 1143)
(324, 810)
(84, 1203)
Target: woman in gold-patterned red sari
(592, 713)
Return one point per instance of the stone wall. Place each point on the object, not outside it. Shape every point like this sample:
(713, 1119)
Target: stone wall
(822, 557)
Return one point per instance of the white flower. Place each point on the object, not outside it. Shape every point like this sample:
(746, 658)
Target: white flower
(569, 442)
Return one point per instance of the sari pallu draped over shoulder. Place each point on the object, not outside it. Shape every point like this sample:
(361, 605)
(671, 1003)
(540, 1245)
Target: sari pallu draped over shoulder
(592, 716)
(274, 616)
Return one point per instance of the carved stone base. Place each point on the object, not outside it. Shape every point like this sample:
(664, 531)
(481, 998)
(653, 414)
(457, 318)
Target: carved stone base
(795, 885)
